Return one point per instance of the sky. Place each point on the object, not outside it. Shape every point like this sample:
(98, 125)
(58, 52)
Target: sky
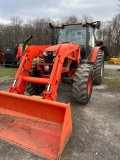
(57, 9)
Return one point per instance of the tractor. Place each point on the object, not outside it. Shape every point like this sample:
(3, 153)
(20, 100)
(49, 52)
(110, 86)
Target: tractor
(39, 123)
(88, 68)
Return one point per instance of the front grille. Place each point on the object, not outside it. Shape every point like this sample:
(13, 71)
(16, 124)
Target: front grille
(49, 58)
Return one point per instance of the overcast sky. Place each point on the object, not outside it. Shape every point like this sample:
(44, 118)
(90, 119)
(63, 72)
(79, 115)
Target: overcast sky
(57, 9)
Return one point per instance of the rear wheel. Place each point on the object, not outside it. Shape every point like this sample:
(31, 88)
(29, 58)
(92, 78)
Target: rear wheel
(82, 84)
(98, 68)
(32, 88)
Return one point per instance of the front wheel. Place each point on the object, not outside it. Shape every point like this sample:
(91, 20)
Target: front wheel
(82, 84)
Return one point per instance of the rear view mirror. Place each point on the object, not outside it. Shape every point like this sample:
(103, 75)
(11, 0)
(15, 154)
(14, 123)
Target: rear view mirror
(98, 24)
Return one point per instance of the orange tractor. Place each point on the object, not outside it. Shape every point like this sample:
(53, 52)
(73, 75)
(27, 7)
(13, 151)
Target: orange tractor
(40, 124)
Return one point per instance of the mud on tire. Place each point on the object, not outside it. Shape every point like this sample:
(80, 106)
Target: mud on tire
(98, 68)
(32, 88)
(82, 84)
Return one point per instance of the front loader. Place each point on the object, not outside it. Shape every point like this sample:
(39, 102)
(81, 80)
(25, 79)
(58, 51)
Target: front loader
(39, 123)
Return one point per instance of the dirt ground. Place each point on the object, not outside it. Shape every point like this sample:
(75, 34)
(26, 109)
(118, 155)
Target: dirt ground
(96, 127)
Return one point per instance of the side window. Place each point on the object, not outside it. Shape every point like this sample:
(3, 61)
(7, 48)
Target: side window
(92, 38)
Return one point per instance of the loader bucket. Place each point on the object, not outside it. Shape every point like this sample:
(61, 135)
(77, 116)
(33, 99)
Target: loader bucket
(38, 125)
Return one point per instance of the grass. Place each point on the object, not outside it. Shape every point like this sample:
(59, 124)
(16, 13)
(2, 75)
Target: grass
(7, 71)
(112, 79)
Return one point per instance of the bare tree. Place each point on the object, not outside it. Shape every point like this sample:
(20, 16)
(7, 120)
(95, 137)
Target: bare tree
(16, 32)
(110, 34)
(70, 19)
(87, 18)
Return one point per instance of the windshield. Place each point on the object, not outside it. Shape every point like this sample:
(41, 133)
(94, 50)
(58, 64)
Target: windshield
(73, 33)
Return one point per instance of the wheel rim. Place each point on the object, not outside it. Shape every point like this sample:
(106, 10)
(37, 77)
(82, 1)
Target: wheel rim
(89, 84)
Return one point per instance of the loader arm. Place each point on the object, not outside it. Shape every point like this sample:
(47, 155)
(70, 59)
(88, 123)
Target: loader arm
(24, 68)
(68, 50)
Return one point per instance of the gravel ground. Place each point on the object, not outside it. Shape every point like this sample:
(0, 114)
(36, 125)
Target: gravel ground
(96, 127)
(112, 66)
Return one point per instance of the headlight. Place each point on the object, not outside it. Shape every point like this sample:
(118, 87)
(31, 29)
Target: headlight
(46, 68)
(45, 53)
(50, 53)
(54, 53)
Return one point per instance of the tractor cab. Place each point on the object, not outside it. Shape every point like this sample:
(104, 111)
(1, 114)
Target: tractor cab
(79, 33)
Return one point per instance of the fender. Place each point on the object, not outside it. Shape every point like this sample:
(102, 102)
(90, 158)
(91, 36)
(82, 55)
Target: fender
(93, 54)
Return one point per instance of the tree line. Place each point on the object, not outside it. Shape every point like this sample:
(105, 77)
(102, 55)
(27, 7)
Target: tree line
(16, 31)
(110, 34)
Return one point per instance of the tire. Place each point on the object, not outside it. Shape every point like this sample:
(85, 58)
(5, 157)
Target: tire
(32, 88)
(98, 68)
(82, 84)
